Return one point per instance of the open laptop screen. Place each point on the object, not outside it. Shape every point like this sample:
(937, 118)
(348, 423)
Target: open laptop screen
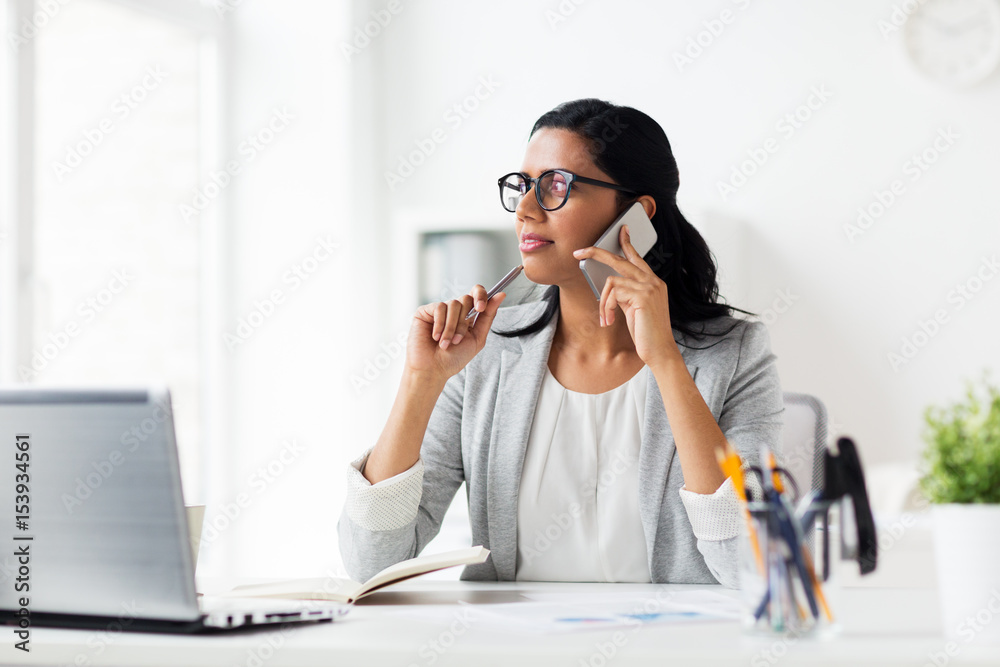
(108, 533)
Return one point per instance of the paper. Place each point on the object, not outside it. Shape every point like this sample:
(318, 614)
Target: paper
(706, 603)
(547, 613)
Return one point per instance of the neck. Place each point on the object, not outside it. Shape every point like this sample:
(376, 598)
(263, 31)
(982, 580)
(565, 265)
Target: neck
(579, 331)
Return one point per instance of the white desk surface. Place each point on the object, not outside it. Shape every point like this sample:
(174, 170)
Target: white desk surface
(889, 618)
(880, 627)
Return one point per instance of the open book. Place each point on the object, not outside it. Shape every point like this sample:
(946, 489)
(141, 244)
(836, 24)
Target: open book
(345, 590)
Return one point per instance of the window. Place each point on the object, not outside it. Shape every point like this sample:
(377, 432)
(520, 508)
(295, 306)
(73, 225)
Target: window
(111, 278)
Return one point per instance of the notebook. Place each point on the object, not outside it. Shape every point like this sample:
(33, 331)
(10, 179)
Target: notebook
(345, 590)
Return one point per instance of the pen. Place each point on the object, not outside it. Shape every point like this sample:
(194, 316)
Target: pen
(787, 527)
(814, 582)
(812, 506)
(794, 539)
(496, 289)
(809, 508)
(793, 558)
(775, 579)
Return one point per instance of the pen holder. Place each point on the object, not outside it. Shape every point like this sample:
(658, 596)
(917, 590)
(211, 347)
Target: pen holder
(780, 577)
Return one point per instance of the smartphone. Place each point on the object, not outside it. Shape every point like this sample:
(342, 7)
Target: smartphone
(642, 235)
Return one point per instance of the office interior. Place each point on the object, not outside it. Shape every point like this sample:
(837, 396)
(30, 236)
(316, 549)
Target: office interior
(247, 201)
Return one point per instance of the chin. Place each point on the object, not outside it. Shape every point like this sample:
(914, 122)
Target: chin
(543, 274)
(535, 273)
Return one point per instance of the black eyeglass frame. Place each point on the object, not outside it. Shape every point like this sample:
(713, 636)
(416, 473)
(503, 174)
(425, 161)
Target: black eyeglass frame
(570, 179)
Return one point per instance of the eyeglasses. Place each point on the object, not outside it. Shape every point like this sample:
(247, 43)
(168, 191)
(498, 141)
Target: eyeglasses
(552, 188)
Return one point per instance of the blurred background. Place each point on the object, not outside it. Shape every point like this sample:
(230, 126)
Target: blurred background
(247, 200)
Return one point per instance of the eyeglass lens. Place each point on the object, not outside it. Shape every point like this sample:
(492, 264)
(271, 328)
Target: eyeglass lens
(552, 190)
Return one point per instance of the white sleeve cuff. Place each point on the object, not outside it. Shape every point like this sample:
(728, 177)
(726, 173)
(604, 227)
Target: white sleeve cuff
(386, 505)
(713, 516)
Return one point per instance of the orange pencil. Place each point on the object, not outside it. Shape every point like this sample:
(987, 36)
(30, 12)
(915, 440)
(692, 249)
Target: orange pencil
(731, 466)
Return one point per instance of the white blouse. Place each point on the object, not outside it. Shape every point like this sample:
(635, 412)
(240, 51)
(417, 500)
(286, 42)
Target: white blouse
(582, 523)
(578, 502)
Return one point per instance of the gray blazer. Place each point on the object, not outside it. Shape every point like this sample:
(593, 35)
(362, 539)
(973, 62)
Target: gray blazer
(478, 433)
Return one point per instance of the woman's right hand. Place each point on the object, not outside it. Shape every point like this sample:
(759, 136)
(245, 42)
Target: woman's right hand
(441, 342)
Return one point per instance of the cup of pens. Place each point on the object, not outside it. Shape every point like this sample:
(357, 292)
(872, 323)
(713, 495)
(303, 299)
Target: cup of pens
(782, 593)
(782, 583)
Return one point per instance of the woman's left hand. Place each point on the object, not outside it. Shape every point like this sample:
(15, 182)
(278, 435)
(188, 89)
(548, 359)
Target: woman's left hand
(642, 296)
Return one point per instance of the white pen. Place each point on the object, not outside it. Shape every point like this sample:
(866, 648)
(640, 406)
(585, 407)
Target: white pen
(506, 280)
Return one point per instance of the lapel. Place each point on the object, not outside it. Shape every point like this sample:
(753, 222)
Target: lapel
(522, 368)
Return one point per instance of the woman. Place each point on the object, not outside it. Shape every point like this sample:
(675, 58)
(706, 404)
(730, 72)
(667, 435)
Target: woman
(585, 429)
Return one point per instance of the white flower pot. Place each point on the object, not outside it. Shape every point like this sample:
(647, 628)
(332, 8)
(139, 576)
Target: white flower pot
(967, 548)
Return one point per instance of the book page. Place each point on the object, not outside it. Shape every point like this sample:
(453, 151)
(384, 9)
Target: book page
(320, 588)
(345, 590)
(423, 565)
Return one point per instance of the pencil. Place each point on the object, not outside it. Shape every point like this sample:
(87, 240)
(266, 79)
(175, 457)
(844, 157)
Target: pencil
(807, 557)
(732, 467)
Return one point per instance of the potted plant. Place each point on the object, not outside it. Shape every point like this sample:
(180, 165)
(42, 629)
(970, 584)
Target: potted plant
(961, 478)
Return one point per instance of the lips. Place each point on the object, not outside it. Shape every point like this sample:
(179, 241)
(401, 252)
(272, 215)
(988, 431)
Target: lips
(532, 241)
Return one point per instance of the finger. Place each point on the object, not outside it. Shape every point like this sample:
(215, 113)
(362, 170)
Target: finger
(631, 254)
(616, 262)
(468, 303)
(464, 322)
(602, 307)
(455, 315)
(425, 313)
(625, 241)
(478, 296)
(612, 304)
(440, 312)
(484, 320)
(479, 293)
(619, 290)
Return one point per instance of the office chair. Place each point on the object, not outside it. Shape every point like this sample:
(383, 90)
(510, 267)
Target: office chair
(803, 444)
(803, 440)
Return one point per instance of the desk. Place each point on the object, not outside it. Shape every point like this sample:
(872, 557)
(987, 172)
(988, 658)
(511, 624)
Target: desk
(884, 623)
(881, 626)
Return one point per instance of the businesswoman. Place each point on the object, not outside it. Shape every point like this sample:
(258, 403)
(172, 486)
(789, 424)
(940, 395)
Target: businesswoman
(585, 430)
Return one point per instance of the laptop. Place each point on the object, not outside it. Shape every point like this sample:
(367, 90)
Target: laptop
(96, 535)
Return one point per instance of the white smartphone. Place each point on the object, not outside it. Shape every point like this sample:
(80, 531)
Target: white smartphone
(642, 235)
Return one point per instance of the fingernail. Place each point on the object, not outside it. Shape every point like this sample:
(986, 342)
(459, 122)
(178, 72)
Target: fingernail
(481, 303)
(457, 339)
(444, 344)
(436, 336)
(602, 320)
(577, 253)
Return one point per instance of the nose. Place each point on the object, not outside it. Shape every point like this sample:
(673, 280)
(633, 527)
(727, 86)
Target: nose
(528, 206)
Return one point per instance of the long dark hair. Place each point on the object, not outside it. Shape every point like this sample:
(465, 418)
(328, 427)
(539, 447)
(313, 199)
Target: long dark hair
(633, 149)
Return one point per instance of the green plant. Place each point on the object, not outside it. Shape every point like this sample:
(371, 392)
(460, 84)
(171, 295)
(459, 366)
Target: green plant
(962, 459)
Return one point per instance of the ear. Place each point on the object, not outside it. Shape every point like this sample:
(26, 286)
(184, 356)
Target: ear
(649, 204)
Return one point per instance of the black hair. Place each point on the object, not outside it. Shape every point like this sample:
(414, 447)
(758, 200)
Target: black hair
(633, 149)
